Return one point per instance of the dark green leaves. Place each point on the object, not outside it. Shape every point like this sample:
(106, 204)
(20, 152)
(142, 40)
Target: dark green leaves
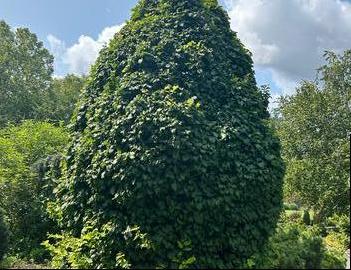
(182, 134)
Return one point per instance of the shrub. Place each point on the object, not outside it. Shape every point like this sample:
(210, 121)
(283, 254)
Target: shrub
(170, 135)
(293, 216)
(306, 217)
(76, 252)
(297, 246)
(337, 241)
(23, 193)
(340, 224)
(336, 245)
(293, 246)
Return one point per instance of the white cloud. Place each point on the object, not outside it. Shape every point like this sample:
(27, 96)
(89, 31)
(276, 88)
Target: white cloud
(81, 55)
(78, 58)
(57, 46)
(108, 33)
(289, 37)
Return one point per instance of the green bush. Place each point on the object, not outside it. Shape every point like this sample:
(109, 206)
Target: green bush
(79, 252)
(23, 190)
(306, 217)
(15, 262)
(293, 217)
(340, 224)
(337, 241)
(69, 251)
(170, 135)
(335, 245)
(3, 236)
(297, 246)
(293, 246)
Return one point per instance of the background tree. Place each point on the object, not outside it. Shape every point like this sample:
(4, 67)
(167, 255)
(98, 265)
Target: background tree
(171, 161)
(23, 191)
(314, 130)
(25, 71)
(63, 96)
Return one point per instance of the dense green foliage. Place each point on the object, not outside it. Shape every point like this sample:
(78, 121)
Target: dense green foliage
(297, 246)
(171, 163)
(63, 96)
(294, 246)
(314, 130)
(25, 71)
(27, 89)
(340, 225)
(23, 194)
(170, 137)
(4, 237)
(337, 240)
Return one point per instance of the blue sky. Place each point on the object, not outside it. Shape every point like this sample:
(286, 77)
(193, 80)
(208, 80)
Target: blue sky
(65, 19)
(287, 38)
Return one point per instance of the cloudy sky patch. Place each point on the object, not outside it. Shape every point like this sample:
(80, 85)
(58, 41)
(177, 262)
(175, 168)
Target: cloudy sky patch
(78, 58)
(288, 37)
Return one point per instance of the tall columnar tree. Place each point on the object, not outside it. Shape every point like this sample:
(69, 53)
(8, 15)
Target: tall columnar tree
(171, 160)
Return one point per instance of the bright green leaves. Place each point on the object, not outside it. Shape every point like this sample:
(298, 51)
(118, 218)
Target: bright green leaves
(192, 102)
(26, 152)
(22, 56)
(183, 258)
(195, 47)
(210, 3)
(314, 133)
(122, 262)
(81, 252)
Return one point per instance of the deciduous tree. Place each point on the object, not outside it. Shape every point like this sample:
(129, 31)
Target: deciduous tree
(171, 158)
(314, 130)
(25, 71)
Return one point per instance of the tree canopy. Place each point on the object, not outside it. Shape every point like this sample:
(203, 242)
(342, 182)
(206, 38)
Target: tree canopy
(63, 96)
(314, 130)
(26, 68)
